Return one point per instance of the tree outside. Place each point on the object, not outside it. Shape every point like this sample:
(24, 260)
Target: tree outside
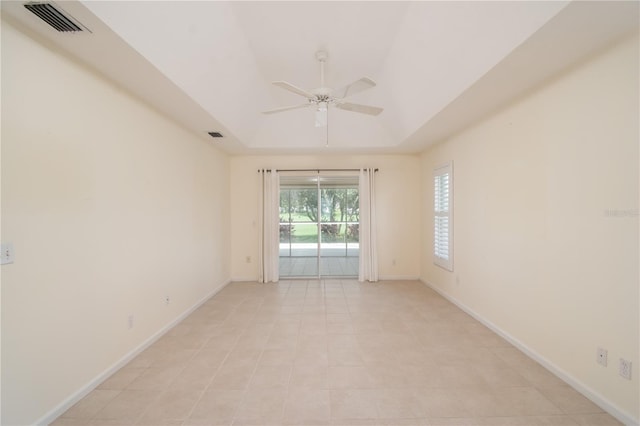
(339, 215)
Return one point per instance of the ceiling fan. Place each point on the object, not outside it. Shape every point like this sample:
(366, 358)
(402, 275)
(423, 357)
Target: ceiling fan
(322, 96)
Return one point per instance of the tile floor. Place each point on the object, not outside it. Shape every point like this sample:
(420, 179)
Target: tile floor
(333, 352)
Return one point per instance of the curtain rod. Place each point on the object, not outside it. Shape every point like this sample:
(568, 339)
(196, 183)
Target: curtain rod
(316, 170)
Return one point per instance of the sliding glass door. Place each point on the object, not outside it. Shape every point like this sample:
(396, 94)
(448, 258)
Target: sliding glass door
(319, 226)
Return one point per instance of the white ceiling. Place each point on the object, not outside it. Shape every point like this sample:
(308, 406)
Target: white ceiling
(439, 65)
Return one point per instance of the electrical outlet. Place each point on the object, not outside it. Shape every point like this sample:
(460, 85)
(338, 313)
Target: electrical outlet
(625, 368)
(130, 321)
(601, 356)
(167, 299)
(248, 259)
(6, 253)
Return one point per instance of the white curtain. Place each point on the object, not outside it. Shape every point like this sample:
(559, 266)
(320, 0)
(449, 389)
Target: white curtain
(269, 211)
(368, 270)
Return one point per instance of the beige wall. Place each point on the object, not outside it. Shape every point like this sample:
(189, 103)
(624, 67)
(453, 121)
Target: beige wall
(398, 208)
(536, 253)
(110, 207)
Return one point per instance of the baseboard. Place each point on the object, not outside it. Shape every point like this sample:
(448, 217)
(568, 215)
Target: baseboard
(381, 278)
(576, 384)
(243, 280)
(398, 278)
(84, 391)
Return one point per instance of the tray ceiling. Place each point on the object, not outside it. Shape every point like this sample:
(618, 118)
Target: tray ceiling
(439, 66)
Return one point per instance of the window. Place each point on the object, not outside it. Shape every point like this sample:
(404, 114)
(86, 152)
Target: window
(443, 218)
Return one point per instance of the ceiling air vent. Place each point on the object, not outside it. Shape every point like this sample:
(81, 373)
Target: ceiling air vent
(215, 134)
(54, 17)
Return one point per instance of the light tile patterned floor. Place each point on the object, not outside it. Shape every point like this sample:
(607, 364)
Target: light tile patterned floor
(332, 353)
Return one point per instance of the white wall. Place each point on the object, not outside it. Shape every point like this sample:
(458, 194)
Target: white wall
(398, 208)
(110, 207)
(535, 251)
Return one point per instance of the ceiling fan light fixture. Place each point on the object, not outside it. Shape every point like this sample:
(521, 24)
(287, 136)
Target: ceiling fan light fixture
(322, 115)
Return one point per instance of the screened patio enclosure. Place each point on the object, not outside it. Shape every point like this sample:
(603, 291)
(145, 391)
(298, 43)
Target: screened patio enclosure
(319, 226)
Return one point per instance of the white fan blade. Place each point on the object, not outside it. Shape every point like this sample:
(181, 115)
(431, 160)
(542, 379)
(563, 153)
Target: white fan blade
(364, 109)
(355, 87)
(272, 111)
(295, 89)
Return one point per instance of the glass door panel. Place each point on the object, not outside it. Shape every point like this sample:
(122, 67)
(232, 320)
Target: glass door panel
(337, 198)
(299, 230)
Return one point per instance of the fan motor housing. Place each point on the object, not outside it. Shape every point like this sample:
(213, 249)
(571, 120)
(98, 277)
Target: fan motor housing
(322, 55)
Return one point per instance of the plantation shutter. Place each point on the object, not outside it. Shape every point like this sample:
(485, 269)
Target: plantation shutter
(443, 220)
